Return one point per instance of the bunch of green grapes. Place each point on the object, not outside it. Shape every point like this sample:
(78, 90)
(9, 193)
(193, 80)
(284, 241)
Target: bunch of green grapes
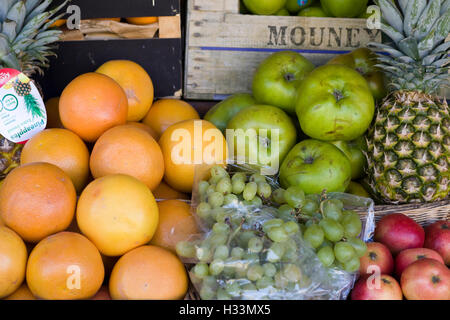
(329, 229)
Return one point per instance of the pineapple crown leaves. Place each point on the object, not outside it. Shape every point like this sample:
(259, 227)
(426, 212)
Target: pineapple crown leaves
(418, 56)
(25, 35)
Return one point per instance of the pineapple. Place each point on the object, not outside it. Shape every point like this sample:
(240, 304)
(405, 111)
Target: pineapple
(409, 141)
(25, 44)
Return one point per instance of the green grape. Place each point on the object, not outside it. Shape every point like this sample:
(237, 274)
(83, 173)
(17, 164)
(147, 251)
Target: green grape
(264, 282)
(249, 287)
(216, 267)
(359, 246)
(344, 252)
(244, 237)
(331, 209)
(256, 177)
(237, 186)
(352, 225)
(281, 282)
(202, 187)
(237, 253)
(221, 227)
(317, 216)
(290, 255)
(250, 191)
(278, 234)
(264, 190)
(269, 224)
(211, 189)
(310, 207)
(218, 239)
(292, 273)
(228, 271)
(230, 199)
(203, 210)
(295, 197)
(255, 272)
(220, 215)
(223, 295)
(224, 186)
(185, 249)
(239, 176)
(251, 257)
(278, 196)
(204, 254)
(352, 265)
(333, 230)
(326, 243)
(215, 199)
(207, 293)
(210, 281)
(256, 202)
(221, 252)
(269, 269)
(309, 223)
(218, 171)
(291, 227)
(275, 252)
(201, 270)
(255, 245)
(326, 256)
(314, 197)
(233, 288)
(314, 235)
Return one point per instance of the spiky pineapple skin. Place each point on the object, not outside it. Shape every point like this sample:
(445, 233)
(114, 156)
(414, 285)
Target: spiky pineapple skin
(408, 149)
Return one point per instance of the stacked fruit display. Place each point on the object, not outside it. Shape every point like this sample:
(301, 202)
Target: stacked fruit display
(419, 265)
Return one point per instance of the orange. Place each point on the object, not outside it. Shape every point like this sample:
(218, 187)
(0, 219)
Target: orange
(58, 23)
(142, 20)
(148, 273)
(37, 200)
(128, 150)
(186, 144)
(167, 112)
(176, 224)
(64, 149)
(23, 293)
(65, 266)
(117, 213)
(144, 127)
(52, 108)
(136, 83)
(107, 19)
(102, 294)
(165, 192)
(91, 104)
(13, 261)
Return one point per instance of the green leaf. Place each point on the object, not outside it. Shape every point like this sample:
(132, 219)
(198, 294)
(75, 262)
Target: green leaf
(392, 33)
(4, 45)
(17, 13)
(31, 4)
(445, 6)
(392, 15)
(426, 45)
(4, 8)
(11, 61)
(427, 19)
(39, 9)
(442, 27)
(413, 11)
(9, 29)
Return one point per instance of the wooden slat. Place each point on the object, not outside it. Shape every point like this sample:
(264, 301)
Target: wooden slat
(169, 27)
(223, 6)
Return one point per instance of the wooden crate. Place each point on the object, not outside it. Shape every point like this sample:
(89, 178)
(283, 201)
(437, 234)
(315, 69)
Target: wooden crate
(224, 47)
(161, 56)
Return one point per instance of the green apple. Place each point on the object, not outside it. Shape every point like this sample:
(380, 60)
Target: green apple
(312, 12)
(315, 166)
(334, 103)
(282, 12)
(264, 7)
(354, 153)
(277, 79)
(364, 61)
(357, 189)
(274, 135)
(222, 112)
(294, 6)
(344, 8)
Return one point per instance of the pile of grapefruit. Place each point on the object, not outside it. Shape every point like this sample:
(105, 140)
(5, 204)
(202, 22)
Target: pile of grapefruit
(98, 203)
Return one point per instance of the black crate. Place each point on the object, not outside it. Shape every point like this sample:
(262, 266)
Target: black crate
(161, 58)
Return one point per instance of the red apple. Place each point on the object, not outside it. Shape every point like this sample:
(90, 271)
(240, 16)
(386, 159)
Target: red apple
(399, 232)
(377, 254)
(437, 237)
(426, 279)
(367, 289)
(408, 256)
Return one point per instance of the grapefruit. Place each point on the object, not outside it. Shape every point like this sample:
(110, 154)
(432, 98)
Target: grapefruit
(102, 294)
(23, 293)
(148, 273)
(128, 150)
(142, 20)
(64, 149)
(37, 200)
(136, 83)
(176, 224)
(13, 260)
(65, 266)
(91, 104)
(186, 144)
(117, 213)
(165, 192)
(166, 112)
(145, 127)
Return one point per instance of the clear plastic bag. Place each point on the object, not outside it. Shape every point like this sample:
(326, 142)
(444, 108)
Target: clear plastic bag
(236, 257)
